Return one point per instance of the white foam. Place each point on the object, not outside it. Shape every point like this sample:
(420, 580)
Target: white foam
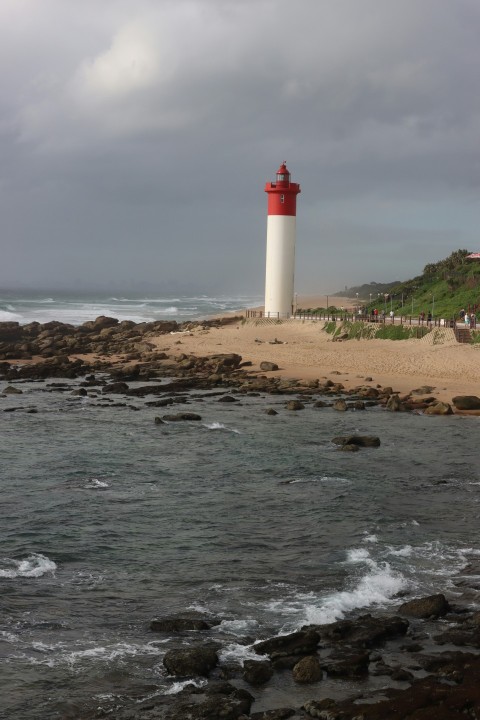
(370, 539)
(96, 483)
(179, 686)
(34, 566)
(377, 587)
(237, 627)
(357, 555)
(405, 551)
(235, 653)
(220, 426)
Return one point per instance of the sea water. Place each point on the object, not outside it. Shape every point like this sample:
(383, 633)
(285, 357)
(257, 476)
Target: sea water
(44, 307)
(110, 520)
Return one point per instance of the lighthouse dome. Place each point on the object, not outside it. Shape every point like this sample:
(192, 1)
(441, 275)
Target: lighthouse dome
(283, 175)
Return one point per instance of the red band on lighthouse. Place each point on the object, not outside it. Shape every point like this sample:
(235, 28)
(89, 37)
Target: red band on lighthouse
(282, 194)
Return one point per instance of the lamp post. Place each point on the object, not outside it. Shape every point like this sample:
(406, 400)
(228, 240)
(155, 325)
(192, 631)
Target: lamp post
(433, 305)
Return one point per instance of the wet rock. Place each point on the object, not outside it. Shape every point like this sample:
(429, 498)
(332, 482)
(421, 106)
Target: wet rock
(303, 642)
(268, 366)
(348, 447)
(358, 405)
(228, 399)
(10, 390)
(320, 404)
(360, 440)
(181, 623)
(191, 661)
(307, 670)
(346, 663)
(118, 388)
(439, 408)
(158, 421)
(80, 392)
(181, 416)
(466, 402)
(270, 411)
(280, 714)
(257, 672)
(294, 405)
(394, 404)
(340, 405)
(220, 701)
(365, 631)
(433, 605)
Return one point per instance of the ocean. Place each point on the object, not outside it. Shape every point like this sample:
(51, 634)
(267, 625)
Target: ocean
(44, 307)
(109, 520)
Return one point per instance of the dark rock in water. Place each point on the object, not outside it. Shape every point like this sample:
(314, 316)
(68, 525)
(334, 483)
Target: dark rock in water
(320, 404)
(10, 390)
(158, 421)
(257, 672)
(294, 405)
(340, 405)
(348, 447)
(360, 440)
(268, 366)
(221, 701)
(433, 605)
(181, 416)
(81, 392)
(303, 642)
(358, 405)
(346, 663)
(394, 404)
(279, 714)
(116, 387)
(228, 399)
(365, 631)
(466, 402)
(308, 670)
(439, 408)
(181, 623)
(191, 661)
(270, 411)
(160, 403)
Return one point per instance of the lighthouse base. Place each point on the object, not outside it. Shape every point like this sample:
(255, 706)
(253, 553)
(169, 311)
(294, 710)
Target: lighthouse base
(280, 270)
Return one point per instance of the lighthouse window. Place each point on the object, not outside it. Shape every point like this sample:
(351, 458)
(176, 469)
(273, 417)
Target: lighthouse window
(280, 177)
(282, 198)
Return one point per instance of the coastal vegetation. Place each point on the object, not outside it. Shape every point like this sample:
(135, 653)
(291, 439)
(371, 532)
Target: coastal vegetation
(443, 288)
(357, 330)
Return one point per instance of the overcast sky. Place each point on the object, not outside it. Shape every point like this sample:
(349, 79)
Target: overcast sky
(136, 137)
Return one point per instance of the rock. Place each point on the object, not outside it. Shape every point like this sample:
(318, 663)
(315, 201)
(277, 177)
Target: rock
(116, 388)
(257, 672)
(191, 661)
(358, 405)
(270, 411)
(181, 416)
(279, 714)
(424, 390)
(394, 404)
(294, 405)
(433, 605)
(307, 670)
(340, 405)
(158, 421)
(221, 701)
(228, 399)
(303, 642)
(360, 440)
(348, 447)
(268, 366)
(439, 408)
(10, 390)
(346, 663)
(320, 404)
(181, 623)
(81, 392)
(466, 402)
(365, 631)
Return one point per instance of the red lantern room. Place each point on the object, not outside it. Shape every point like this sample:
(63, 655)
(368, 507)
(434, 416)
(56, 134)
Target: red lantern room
(282, 194)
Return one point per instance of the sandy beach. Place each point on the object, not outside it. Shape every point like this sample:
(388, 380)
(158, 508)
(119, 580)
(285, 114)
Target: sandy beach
(303, 350)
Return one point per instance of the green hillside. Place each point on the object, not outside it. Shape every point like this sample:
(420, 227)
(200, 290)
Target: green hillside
(444, 288)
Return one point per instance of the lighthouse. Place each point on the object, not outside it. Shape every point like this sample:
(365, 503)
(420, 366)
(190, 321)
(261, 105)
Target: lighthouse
(281, 231)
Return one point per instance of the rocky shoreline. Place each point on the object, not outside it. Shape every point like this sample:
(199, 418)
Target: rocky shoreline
(424, 657)
(421, 662)
(123, 352)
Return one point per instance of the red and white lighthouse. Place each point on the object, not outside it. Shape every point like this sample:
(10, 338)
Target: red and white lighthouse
(281, 231)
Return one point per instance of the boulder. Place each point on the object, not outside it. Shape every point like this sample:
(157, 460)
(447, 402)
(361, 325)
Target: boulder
(307, 670)
(360, 440)
(115, 387)
(466, 402)
(394, 404)
(270, 411)
(346, 663)
(181, 416)
(365, 631)
(219, 701)
(257, 672)
(340, 405)
(439, 408)
(268, 366)
(433, 605)
(181, 623)
(10, 390)
(303, 642)
(294, 405)
(191, 661)
(228, 399)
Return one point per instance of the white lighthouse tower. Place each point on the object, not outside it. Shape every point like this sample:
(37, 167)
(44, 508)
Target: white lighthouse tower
(281, 231)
